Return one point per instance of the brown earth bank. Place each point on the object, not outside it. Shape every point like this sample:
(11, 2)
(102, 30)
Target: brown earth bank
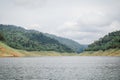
(6, 51)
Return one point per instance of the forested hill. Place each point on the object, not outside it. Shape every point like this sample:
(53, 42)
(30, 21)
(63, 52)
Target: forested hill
(30, 40)
(68, 42)
(110, 41)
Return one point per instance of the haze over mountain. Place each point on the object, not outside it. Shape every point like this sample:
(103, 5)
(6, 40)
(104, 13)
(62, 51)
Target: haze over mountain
(68, 42)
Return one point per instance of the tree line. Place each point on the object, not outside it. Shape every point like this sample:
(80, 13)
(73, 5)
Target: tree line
(110, 41)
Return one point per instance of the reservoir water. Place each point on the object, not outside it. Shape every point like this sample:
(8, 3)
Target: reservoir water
(60, 68)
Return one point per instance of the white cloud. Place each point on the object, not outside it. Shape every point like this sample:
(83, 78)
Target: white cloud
(85, 33)
(29, 3)
(34, 26)
(81, 20)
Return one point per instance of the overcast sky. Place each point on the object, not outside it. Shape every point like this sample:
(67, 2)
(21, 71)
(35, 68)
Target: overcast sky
(81, 20)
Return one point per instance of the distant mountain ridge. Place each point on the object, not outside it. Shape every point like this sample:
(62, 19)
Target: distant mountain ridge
(31, 40)
(68, 42)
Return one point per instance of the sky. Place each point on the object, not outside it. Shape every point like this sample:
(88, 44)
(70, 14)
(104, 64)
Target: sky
(81, 20)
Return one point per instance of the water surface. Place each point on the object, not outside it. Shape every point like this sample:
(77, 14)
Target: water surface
(60, 68)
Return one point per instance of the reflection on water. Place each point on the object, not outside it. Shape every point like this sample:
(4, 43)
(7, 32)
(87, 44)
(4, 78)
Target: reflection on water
(60, 68)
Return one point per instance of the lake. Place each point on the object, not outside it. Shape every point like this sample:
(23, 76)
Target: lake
(60, 68)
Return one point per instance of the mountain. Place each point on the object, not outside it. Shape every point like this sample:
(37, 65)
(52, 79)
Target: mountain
(30, 40)
(69, 43)
(109, 45)
(110, 41)
(6, 51)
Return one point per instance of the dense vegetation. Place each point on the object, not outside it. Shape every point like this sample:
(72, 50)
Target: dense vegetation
(1, 37)
(30, 40)
(69, 43)
(6, 51)
(110, 41)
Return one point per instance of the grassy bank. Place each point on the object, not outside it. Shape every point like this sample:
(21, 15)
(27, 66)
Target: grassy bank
(6, 51)
(110, 52)
(45, 53)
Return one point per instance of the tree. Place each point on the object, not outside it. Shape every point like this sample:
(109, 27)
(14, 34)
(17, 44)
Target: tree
(1, 37)
(110, 41)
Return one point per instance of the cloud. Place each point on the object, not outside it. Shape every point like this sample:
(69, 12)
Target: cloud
(32, 4)
(89, 28)
(81, 20)
(34, 26)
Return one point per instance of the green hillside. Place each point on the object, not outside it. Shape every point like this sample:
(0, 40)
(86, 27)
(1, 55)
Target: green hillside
(109, 45)
(30, 40)
(70, 43)
(110, 41)
(6, 51)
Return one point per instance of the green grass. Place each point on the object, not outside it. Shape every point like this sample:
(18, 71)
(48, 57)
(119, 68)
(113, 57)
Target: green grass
(45, 53)
(110, 52)
(6, 51)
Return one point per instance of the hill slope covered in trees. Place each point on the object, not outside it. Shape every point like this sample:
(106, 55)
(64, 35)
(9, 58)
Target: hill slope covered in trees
(110, 41)
(30, 40)
(109, 45)
(70, 43)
